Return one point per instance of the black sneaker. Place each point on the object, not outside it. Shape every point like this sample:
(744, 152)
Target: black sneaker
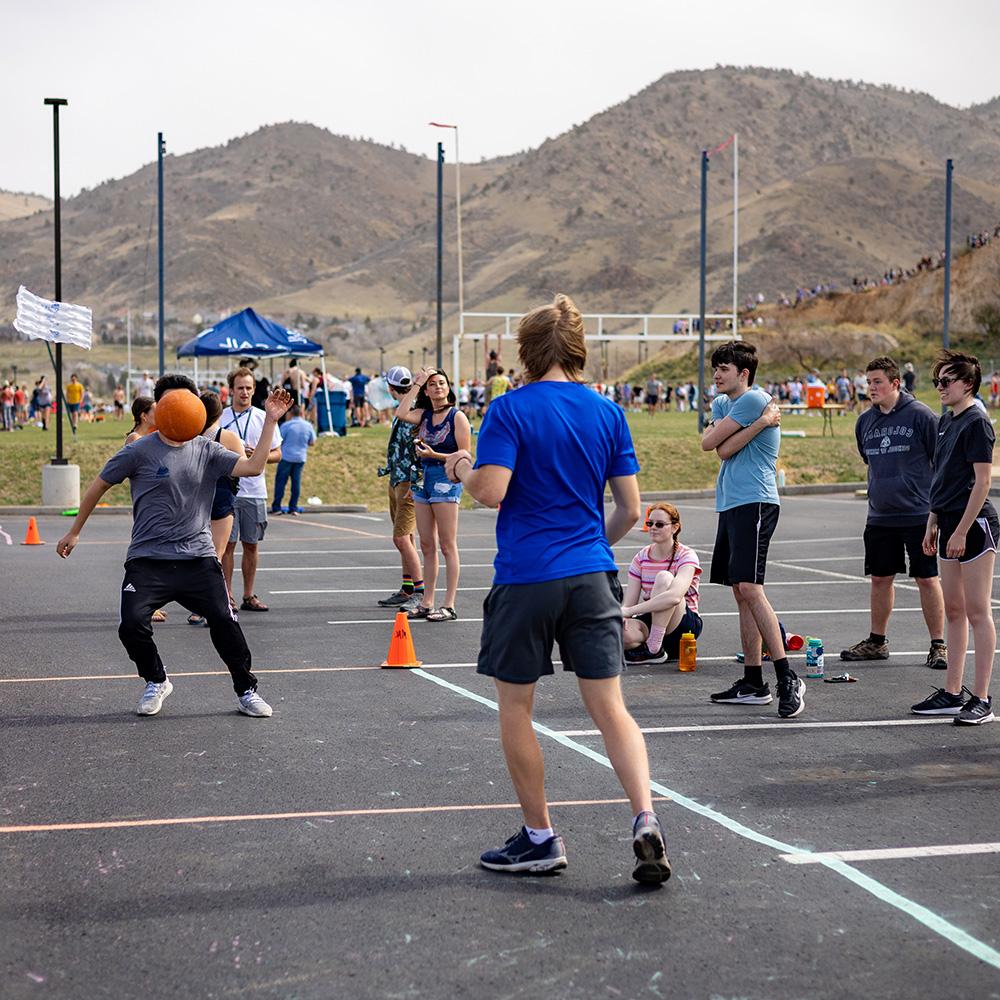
(975, 712)
(394, 600)
(791, 696)
(866, 650)
(643, 654)
(651, 865)
(743, 693)
(941, 702)
(519, 854)
(937, 656)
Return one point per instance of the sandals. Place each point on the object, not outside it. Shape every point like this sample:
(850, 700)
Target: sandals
(419, 612)
(159, 616)
(253, 603)
(442, 615)
(194, 619)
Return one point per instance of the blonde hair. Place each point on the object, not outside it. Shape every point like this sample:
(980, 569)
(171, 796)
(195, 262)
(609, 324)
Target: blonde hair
(552, 335)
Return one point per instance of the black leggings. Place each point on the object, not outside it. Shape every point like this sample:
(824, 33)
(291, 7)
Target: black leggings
(198, 585)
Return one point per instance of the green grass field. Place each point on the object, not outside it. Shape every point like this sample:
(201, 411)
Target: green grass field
(342, 470)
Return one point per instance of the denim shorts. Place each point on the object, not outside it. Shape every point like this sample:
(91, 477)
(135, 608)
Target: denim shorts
(436, 487)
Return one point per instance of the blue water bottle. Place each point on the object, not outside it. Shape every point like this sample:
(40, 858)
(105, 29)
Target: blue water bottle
(814, 657)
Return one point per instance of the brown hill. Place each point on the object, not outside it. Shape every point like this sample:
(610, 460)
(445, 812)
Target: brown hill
(837, 179)
(16, 204)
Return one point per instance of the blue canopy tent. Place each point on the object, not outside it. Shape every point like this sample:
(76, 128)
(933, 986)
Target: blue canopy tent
(247, 335)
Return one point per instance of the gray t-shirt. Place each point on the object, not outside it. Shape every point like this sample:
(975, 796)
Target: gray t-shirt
(172, 492)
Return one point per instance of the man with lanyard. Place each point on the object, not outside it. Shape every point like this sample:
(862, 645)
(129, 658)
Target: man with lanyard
(250, 512)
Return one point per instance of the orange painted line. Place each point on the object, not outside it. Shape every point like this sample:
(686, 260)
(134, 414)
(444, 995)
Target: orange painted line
(335, 527)
(124, 824)
(218, 673)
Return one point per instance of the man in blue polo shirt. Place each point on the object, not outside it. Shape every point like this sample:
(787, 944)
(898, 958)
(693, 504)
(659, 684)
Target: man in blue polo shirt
(297, 437)
(548, 451)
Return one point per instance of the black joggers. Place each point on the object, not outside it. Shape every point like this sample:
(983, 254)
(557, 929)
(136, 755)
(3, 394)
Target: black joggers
(198, 585)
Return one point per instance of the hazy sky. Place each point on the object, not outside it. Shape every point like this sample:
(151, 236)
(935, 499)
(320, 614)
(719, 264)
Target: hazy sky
(510, 73)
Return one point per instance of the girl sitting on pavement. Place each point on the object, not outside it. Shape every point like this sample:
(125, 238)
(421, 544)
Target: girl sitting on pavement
(661, 599)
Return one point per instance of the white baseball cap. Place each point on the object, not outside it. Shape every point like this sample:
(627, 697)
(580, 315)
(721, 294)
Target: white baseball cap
(399, 377)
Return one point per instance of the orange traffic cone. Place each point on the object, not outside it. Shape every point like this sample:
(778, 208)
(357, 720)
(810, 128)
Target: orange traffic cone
(32, 538)
(401, 651)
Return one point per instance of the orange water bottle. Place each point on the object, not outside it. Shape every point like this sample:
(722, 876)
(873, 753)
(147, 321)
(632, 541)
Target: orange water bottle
(689, 652)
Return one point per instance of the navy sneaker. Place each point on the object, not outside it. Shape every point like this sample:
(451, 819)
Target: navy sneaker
(519, 854)
(975, 712)
(651, 866)
(643, 654)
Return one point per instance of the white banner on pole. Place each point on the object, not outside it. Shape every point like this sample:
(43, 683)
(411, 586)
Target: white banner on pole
(56, 322)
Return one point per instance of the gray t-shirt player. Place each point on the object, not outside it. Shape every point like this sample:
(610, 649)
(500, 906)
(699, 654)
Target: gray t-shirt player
(172, 492)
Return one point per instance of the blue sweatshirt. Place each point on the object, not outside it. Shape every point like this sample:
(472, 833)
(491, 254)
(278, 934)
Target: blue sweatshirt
(898, 448)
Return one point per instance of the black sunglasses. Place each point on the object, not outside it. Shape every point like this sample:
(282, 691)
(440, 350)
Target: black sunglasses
(658, 524)
(943, 383)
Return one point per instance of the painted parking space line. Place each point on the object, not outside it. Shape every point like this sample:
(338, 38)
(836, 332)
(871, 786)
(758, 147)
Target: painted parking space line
(892, 853)
(746, 726)
(922, 914)
(126, 824)
(354, 568)
(376, 590)
(225, 673)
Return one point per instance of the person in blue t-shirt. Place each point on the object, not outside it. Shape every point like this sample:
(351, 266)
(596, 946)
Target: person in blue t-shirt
(297, 437)
(745, 435)
(359, 406)
(547, 452)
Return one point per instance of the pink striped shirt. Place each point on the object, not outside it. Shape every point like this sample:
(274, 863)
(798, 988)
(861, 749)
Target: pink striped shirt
(644, 569)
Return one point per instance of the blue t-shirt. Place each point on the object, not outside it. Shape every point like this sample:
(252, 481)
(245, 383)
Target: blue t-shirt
(295, 437)
(747, 477)
(358, 383)
(563, 442)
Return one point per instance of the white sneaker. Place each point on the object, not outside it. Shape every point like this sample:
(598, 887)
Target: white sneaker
(152, 698)
(251, 703)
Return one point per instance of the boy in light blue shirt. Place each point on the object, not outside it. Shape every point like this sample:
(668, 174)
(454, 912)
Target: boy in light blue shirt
(746, 436)
(297, 437)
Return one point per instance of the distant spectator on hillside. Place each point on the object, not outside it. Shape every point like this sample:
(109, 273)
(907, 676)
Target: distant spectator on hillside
(909, 377)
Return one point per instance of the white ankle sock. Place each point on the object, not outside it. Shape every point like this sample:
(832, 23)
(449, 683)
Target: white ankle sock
(539, 836)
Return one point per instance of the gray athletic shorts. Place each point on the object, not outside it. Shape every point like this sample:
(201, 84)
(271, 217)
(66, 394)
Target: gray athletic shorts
(249, 519)
(521, 621)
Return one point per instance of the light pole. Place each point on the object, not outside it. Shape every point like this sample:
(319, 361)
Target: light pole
(160, 149)
(458, 214)
(56, 103)
(411, 360)
(381, 360)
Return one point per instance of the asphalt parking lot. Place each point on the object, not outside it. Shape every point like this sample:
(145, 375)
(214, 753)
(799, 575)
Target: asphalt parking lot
(331, 851)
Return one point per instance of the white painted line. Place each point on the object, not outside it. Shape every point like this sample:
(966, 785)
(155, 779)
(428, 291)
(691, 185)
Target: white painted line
(356, 568)
(892, 853)
(413, 621)
(927, 917)
(860, 724)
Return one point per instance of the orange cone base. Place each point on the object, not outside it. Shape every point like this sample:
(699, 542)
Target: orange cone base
(402, 666)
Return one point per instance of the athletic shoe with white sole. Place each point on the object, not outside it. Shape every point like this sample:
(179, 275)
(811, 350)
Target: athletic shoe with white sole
(791, 696)
(520, 854)
(251, 703)
(152, 698)
(412, 603)
(643, 654)
(975, 712)
(743, 693)
(652, 866)
(394, 600)
(942, 702)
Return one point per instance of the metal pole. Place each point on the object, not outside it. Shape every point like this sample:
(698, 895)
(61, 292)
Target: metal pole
(128, 341)
(947, 253)
(411, 361)
(159, 232)
(458, 213)
(701, 290)
(736, 226)
(440, 249)
(56, 103)
(381, 360)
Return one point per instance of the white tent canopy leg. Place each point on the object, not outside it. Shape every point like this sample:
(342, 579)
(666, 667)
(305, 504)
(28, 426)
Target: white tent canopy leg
(326, 396)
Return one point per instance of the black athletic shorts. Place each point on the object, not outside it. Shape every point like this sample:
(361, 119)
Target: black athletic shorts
(888, 548)
(521, 621)
(741, 541)
(690, 622)
(982, 536)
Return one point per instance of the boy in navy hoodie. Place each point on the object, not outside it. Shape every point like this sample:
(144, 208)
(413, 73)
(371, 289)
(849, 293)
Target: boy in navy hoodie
(896, 438)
